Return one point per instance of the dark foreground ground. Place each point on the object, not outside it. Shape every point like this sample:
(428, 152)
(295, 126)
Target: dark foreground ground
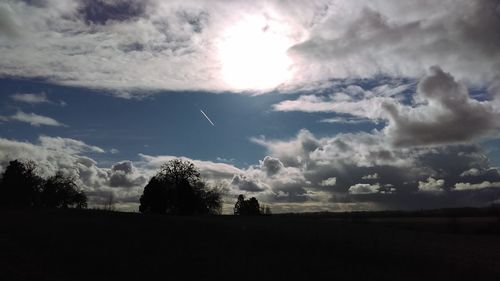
(96, 245)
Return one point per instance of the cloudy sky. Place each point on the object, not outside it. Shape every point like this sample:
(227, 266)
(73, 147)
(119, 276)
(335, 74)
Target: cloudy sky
(307, 105)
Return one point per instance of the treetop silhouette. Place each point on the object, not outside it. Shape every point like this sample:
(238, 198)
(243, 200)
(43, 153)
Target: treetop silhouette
(248, 207)
(178, 189)
(21, 186)
(62, 192)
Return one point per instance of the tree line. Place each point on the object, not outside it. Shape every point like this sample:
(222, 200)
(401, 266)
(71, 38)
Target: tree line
(250, 207)
(21, 186)
(176, 189)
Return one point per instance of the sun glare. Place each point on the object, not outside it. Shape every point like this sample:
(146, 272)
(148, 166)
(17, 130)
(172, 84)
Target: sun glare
(253, 55)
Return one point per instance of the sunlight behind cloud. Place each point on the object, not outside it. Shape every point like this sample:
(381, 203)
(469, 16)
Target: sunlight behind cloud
(253, 55)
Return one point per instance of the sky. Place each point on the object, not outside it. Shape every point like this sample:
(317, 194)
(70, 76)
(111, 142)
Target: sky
(307, 105)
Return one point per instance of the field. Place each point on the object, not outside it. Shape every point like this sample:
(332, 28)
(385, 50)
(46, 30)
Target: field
(97, 245)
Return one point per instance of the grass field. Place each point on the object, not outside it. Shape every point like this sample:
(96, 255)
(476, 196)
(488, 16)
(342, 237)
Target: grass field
(98, 245)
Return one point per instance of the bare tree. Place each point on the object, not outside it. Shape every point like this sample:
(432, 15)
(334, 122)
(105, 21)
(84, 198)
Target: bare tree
(109, 204)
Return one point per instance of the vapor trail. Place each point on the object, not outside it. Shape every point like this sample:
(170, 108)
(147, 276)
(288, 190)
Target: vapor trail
(207, 118)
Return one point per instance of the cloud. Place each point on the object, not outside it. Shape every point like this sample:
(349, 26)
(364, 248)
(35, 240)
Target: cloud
(148, 45)
(449, 114)
(326, 174)
(30, 98)
(69, 156)
(245, 184)
(222, 159)
(71, 146)
(291, 152)
(344, 120)
(373, 176)
(52, 153)
(352, 104)
(123, 174)
(431, 185)
(364, 188)
(271, 166)
(125, 166)
(269, 181)
(474, 186)
(34, 99)
(399, 38)
(33, 119)
(210, 170)
(131, 45)
(407, 177)
(442, 111)
(471, 172)
(101, 12)
(329, 182)
(8, 25)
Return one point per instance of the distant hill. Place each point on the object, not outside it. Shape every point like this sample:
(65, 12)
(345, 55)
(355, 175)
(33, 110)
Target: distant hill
(491, 211)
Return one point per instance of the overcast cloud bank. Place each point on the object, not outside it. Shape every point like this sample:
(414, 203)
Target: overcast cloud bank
(130, 45)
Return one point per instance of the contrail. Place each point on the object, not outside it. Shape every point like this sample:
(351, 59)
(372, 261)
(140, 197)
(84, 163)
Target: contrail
(207, 118)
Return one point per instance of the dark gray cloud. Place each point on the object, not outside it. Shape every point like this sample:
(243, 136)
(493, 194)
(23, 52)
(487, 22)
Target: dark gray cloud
(118, 179)
(102, 11)
(125, 166)
(404, 37)
(449, 114)
(245, 184)
(271, 165)
(37, 3)
(367, 168)
(123, 174)
(440, 112)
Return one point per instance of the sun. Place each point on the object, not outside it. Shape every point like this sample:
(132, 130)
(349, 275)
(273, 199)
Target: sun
(253, 55)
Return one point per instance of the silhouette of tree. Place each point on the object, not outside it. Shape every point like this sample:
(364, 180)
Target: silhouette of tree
(248, 207)
(178, 189)
(265, 210)
(240, 205)
(253, 208)
(213, 201)
(20, 186)
(154, 197)
(60, 191)
(109, 204)
(268, 211)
